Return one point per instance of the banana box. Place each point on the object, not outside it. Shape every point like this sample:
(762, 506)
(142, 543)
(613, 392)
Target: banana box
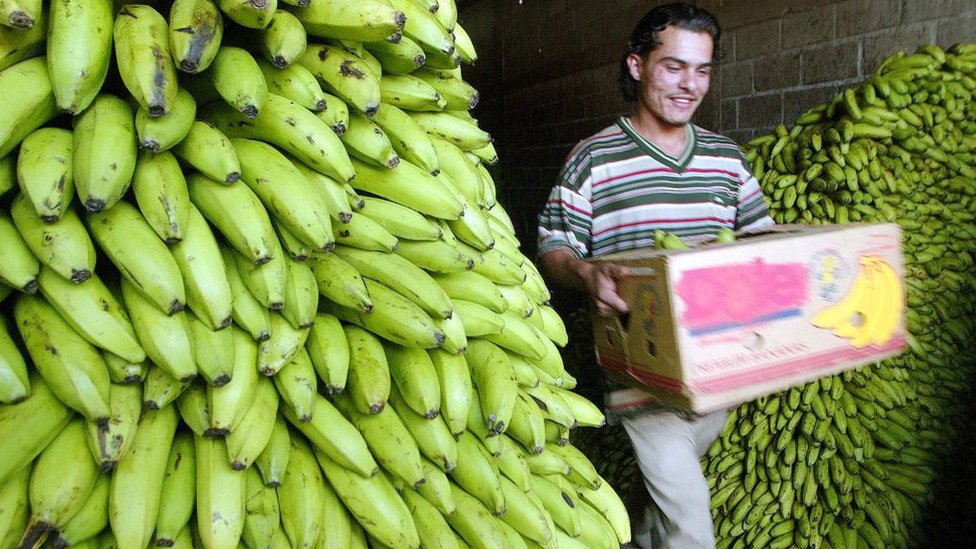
(716, 325)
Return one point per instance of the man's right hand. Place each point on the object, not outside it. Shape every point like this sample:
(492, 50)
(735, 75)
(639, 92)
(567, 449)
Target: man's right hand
(599, 280)
(601, 285)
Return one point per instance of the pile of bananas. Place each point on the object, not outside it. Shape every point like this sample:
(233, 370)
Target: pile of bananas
(866, 458)
(256, 290)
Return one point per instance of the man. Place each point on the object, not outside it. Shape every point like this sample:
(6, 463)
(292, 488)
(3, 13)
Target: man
(653, 169)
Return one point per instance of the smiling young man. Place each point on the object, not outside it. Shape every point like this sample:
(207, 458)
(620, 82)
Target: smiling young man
(653, 169)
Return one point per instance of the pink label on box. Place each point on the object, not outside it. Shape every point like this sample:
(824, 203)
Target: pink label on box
(732, 296)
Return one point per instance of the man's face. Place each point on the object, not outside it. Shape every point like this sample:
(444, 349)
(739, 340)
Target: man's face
(674, 78)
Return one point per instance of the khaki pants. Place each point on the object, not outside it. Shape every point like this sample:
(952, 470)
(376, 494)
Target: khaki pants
(668, 447)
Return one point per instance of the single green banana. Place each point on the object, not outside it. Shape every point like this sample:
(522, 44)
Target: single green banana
(209, 151)
(162, 133)
(300, 497)
(248, 440)
(410, 93)
(361, 21)
(137, 481)
(329, 352)
(345, 75)
(196, 29)
(178, 490)
(29, 425)
(72, 367)
(44, 171)
(165, 338)
(109, 441)
(141, 39)
(220, 495)
(237, 214)
(62, 478)
(19, 268)
(297, 384)
(229, 402)
(105, 151)
(283, 40)
(30, 82)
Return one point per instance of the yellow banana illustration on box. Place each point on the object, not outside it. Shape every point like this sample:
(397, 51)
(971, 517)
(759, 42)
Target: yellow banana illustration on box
(196, 28)
(45, 172)
(870, 311)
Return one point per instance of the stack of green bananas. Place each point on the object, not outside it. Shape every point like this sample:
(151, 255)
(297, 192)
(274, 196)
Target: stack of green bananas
(868, 458)
(256, 290)
(865, 464)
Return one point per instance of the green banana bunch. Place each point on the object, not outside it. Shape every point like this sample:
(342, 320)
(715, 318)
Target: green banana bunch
(141, 39)
(296, 83)
(196, 29)
(249, 439)
(237, 214)
(17, 45)
(301, 497)
(401, 56)
(254, 14)
(401, 221)
(238, 80)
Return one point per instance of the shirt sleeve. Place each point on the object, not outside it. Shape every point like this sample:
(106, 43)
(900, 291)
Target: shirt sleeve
(752, 211)
(566, 219)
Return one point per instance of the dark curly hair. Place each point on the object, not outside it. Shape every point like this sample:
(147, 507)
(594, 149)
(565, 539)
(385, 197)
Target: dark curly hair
(646, 36)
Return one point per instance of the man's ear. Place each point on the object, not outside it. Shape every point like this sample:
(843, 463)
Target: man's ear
(634, 63)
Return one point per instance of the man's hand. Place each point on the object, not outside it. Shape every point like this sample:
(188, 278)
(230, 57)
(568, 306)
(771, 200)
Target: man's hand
(598, 280)
(601, 285)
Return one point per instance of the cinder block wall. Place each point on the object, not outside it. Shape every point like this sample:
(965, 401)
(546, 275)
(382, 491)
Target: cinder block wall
(547, 70)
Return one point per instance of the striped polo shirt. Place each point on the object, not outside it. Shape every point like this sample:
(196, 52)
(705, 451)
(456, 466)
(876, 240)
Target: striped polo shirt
(616, 188)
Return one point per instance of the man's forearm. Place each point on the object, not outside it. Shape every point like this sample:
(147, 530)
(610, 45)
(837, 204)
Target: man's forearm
(565, 269)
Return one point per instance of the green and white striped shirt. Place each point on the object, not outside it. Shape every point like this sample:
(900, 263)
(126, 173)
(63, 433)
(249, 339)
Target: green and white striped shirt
(616, 188)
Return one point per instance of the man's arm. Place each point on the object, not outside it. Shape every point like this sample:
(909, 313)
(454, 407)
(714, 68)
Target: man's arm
(597, 280)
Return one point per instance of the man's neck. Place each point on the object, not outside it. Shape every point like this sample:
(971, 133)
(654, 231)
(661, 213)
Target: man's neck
(670, 139)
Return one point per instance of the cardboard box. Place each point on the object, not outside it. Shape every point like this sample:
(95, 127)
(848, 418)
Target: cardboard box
(721, 324)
